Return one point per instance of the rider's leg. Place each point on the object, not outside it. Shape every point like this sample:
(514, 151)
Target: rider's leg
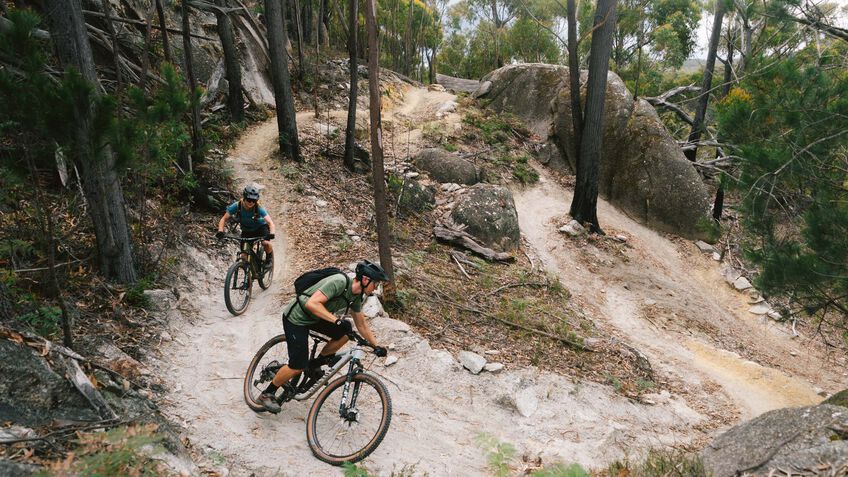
(284, 375)
(331, 347)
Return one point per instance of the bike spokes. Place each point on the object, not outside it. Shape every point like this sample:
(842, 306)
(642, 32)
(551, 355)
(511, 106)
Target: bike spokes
(347, 430)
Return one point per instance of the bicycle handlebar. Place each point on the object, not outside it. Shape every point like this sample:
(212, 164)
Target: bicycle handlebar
(236, 238)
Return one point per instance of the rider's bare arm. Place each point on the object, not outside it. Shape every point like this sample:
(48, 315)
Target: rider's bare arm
(223, 222)
(362, 327)
(315, 305)
(270, 223)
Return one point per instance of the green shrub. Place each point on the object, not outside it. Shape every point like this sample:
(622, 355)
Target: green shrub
(525, 173)
(135, 293)
(45, 320)
(661, 463)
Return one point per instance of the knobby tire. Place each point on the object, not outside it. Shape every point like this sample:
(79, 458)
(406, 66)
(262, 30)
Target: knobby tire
(234, 280)
(251, 391)
(321, 445)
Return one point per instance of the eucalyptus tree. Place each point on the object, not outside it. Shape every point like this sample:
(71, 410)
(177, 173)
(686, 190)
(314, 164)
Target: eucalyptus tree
(584, 206)
(91, 151)
(283, 98)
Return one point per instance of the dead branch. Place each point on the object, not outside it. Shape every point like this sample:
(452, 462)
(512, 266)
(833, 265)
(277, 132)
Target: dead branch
(6, 25)
(463, 239)
(566, 341)
(461, 269)
(141, 23)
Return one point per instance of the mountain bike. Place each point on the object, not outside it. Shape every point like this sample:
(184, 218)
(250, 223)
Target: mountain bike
(249, 263)
(350, 415)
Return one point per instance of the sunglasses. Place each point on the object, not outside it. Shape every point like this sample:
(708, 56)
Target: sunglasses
(250, 200)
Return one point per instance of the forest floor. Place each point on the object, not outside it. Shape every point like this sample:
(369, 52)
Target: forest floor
(715, 362)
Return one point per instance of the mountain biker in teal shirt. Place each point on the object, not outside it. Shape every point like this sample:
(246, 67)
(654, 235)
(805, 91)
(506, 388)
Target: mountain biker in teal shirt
(252, 218)
(315, 312)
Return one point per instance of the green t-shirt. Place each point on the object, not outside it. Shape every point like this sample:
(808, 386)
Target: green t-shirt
(336, 288)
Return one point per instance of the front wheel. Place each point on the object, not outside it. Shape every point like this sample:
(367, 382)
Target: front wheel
(237, 287)
(340, 432)
(266, 275)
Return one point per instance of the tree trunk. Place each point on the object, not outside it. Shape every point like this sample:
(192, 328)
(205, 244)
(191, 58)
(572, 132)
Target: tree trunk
(306, 20)
(283, 99)
(718, 204)
(160, 12)
(704, 98)
(354, 86)
(116, 50)
(407, 70)
(145, 55)
(584, 206)
(101, 185)
(299, 32)
(431, 65)
(235, 100)
(377, 172)
(196, 127)
(497, 23)
(574, 80)
(47, 229)
(324, 24)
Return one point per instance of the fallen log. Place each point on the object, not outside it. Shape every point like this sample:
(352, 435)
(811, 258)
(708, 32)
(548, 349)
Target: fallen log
(464, 240)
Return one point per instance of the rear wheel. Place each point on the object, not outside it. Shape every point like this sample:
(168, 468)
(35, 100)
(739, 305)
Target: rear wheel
(237, 287)
(336, 437)
(272, 356)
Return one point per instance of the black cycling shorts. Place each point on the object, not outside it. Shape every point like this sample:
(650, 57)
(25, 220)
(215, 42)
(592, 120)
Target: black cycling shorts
(260, 232)
(297, 339)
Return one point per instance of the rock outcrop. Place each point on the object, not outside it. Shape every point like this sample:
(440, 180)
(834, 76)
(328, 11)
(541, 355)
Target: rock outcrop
(442, 166)
(488, 212)
(792, 440)
(643, 171)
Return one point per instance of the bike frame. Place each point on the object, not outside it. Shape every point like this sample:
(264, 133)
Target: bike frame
(352, 358)
(249, 247)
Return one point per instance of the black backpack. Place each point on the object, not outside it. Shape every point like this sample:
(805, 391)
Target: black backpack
(310, 278)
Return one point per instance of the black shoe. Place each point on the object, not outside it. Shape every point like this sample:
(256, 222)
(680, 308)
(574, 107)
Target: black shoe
(269, 260)
(269, 402)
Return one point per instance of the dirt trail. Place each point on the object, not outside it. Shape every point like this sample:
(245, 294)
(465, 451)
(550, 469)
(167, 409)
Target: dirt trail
(703, 316)
(439, 407)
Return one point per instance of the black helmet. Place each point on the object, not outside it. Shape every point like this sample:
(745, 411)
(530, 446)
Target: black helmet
(251, 192)
(371, 270)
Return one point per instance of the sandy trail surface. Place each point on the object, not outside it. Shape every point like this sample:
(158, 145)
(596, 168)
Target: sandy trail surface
(440, 408)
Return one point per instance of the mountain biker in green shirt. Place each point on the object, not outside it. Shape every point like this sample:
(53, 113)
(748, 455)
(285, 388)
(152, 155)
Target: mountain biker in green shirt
(252, 218)
(315, 312)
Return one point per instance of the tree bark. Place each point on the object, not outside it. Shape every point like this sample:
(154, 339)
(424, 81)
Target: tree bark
(235, 100)
(196, 127)
(283, 98)
(407, 70)
(166, 49)
(299, 32)
(116, 50)
(718, 203)
(354, 83)
(100, 181)
(377, 170)
(306, 19)
(574, 79)
(584, 206)
(704, 98)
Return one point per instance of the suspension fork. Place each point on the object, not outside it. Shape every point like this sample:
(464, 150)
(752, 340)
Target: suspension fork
(353, 369)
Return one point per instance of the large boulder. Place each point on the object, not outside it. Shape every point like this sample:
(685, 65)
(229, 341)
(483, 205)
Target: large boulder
(642, 170)
(445, 167)
(488, 212)
(792, 440)
(32, 393)
(527, 91)
(416, 197)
